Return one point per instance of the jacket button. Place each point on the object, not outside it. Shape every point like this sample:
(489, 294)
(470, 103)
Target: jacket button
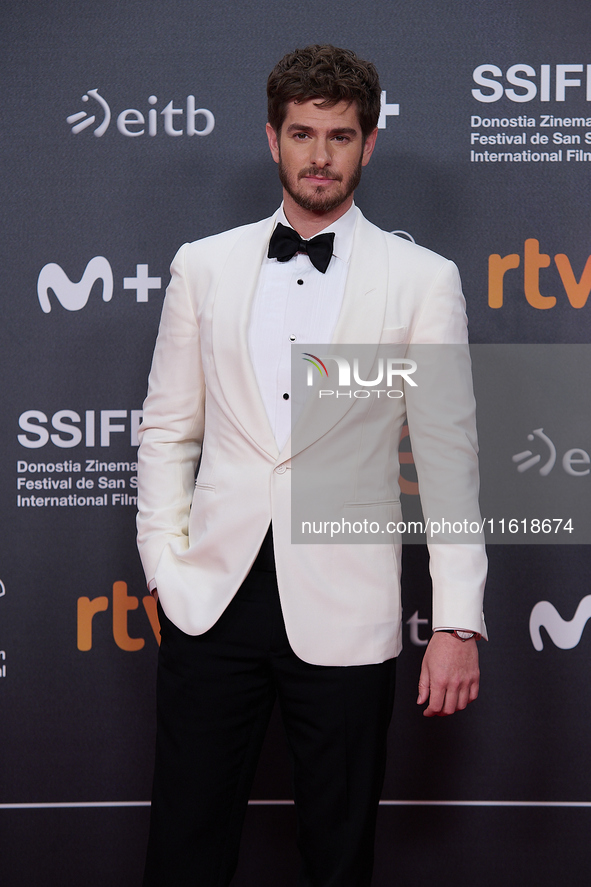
(280, 469)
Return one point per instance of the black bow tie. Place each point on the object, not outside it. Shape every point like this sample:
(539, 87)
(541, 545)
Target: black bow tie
(285, 243)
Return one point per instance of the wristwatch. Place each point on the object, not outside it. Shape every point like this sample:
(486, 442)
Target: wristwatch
(462, 635)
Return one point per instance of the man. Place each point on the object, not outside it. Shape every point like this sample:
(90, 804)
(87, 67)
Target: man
(246, 616)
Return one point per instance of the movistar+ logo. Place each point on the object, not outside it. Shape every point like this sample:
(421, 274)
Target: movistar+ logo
(563, 633)
(73, 296)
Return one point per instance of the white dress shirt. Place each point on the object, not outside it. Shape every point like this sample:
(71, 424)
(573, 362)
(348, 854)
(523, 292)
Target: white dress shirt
(295, 303)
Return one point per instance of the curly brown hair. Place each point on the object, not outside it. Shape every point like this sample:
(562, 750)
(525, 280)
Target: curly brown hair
(329, 73)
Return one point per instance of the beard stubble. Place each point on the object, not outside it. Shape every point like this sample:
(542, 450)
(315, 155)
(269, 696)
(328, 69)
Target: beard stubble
(319, 201)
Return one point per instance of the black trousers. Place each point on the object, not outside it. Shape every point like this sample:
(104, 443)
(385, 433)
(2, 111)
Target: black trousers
(215, 696)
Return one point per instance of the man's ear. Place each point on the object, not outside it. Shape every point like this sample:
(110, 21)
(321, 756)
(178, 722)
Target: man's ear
(368, 147)
(273, 142)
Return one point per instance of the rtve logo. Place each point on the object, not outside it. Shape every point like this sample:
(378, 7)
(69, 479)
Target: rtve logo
(551, 81)
(575, 462)
(563, 633)
(73, 296)
(132, 122)
(577, 290)
(122, 604)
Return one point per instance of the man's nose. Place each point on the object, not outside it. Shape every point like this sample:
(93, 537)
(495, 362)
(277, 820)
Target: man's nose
(321, 155)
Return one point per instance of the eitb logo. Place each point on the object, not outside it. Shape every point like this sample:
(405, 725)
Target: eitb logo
(132, 122)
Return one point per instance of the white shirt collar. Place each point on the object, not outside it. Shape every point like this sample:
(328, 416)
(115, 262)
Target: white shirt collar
(344, 229)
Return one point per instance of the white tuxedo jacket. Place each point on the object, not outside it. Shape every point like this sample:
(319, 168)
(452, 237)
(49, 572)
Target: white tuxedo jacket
(199, 538)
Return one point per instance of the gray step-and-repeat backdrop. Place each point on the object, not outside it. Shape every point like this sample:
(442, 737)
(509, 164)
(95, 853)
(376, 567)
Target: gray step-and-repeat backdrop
(131, 127)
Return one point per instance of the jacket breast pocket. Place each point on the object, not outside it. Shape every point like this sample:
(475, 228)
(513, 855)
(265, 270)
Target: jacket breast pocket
(395, 335)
